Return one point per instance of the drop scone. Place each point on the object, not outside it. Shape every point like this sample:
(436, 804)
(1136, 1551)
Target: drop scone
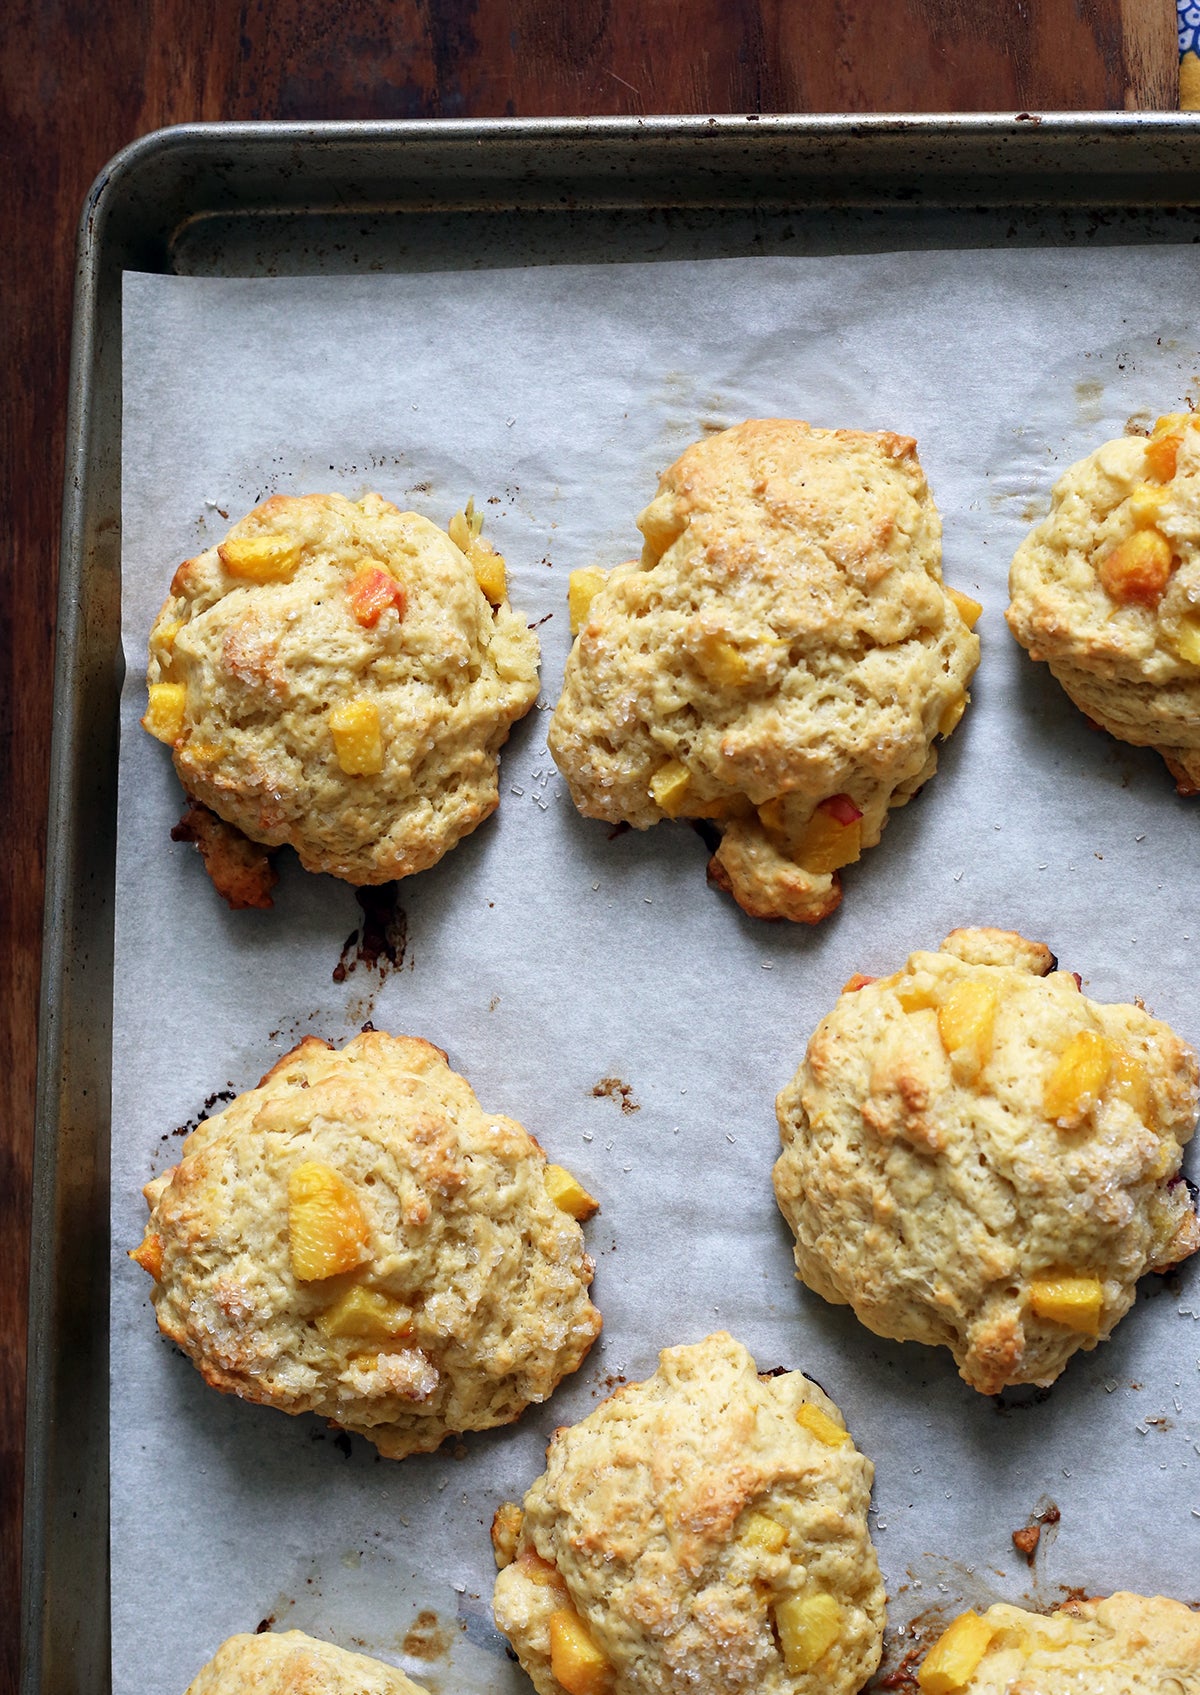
(976, 1154)
(292, 1663)
(357, 1237)
(1122, 1645)
(781, 661)
(337, 675)
(1107, 591)
(702, 1532)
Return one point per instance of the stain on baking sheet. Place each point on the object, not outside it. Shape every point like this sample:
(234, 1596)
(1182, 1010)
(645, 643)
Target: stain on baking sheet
(427, 1638)
(613, 1089)
(381, 939)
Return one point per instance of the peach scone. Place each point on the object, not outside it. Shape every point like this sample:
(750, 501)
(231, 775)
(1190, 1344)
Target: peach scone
(1121, 1645)
(1106, 590)
(338, 675)
(781, 661)
(292, 1663)
(701, 1533)
(357, 1237)
(975, 1154)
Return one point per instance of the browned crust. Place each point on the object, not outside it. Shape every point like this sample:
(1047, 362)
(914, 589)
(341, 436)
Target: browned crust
(240, 870)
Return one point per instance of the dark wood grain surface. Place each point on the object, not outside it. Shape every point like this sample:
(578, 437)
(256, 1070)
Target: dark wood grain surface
(78, 80)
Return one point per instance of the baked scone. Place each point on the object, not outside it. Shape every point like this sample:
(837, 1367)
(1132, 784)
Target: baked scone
(340, 675)
(702, 1532)
(292, 1663)
(357, 1237)
(976, 1154)
(1122, 1645)
(781, 661)
(1106, 590)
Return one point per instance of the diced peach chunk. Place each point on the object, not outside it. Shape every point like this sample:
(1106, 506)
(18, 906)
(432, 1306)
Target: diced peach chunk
(952, 716)
(165, 713)
(575, 1660)
(165, 637)
(954, 1658)
(808, 1627)
(762, 1531)
(1162, 453)
(327, 1229)
(967, 1025)
(366, 1312)
(149, 1255)
(357, 737)
(1073, 1301)
(260, 559)
(1186, 641)
(914, 996)
(721, 662)
(820, 1425)
(1078, 1079)
(1129, 1081)
(1138, 569)
(831, 838)
(968, 610)
(858, 981)
(372, 590)
(582, 588)
(669, 786)
(544, 1573)
(464, 530)
(1146, 502)
(569, 1193)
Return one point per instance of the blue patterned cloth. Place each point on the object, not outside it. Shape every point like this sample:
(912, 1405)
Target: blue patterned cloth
(1189, 26)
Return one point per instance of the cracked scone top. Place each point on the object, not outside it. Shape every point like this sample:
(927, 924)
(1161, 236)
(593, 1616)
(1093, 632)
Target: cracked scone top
(702, 1532)
(976, 1154)
(291, 1663)
(781, 661)
(340, 675)
(1106, 590)
(356, 1237)
(1122, 1645)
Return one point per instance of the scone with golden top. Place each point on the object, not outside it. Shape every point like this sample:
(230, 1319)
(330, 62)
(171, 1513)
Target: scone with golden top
(1106, 590)
(357, 1237)
(340, 675)
(781, 661)
(292, 1663)
(976, 1154)
(1121, 1645)
(704, 1531)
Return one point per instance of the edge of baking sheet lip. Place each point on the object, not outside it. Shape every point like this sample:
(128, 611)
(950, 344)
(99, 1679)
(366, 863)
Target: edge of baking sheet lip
(66, 874)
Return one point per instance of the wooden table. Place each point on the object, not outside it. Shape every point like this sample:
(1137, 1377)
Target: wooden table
(78, 83)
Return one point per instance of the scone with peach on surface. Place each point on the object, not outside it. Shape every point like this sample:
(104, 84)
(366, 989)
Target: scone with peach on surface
(357, 1237)
(978, 1155)
(781, 661)
(701, 1533)
(339, 676)
(1121, 1645)
(1106, 590)
(292, 1663)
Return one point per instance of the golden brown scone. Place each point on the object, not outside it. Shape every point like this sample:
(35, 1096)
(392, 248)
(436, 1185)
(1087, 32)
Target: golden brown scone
(976, 1154)
(357, 1237)
(292, 1663)
(1122, 1645)
(781, 661)
(340, 675)
(701, 1533)
(1107, 591)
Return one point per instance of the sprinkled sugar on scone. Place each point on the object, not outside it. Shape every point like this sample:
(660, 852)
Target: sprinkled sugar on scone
(1107, 591)
(1122, 1645)
(976, 1154)
(781, 661)
(356, 1237)
(294, 1664)
(704, 1531)
(340, 675)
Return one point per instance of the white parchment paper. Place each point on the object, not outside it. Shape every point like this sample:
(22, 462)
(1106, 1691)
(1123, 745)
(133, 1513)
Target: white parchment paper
(545, 956)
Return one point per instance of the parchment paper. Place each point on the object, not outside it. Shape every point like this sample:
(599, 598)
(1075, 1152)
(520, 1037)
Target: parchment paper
(547, 957)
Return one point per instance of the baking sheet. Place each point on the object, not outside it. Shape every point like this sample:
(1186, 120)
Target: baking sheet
(547, 957)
